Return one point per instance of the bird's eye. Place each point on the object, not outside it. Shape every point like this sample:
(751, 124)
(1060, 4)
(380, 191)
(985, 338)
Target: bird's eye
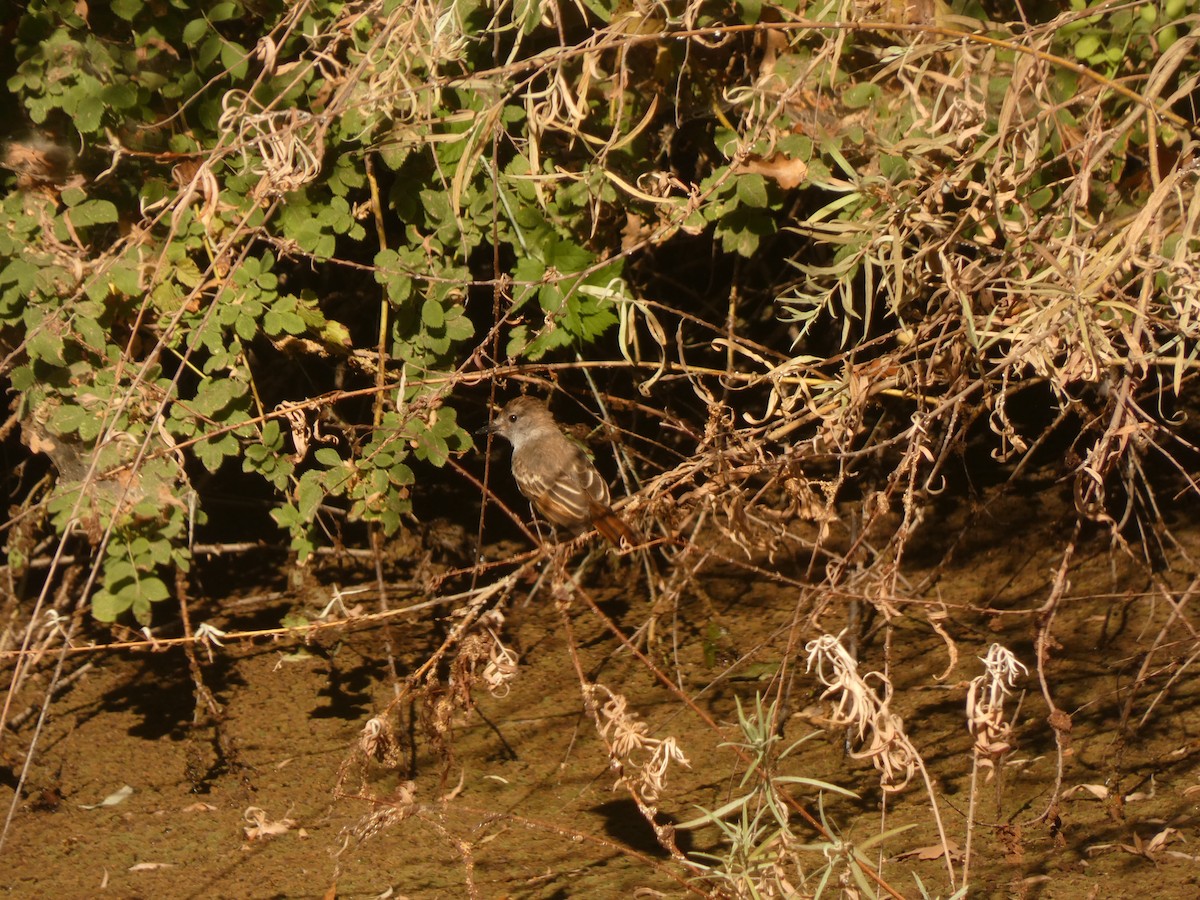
(512, 417)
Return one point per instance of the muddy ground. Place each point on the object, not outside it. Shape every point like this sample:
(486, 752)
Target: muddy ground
(520, 801)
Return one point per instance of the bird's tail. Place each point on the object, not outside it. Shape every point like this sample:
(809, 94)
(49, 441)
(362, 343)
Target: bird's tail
(614, 528)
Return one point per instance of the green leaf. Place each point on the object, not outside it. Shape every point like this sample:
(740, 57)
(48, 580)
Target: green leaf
(23, 379)
(1086, 46)
(287, 516)
(432, 314)
(339, 479)
(394, 155)
(107, 607)
(336, 334)
(458, 326)
(212, 452)
(752, 190)
(567, 256)
(246, 326)
(272, 435)
(120, 96)
(551, 298)
(894, 167)
(432, 448)
(152, 590)
(742, 229)
(193, 31)
(1166, 37)
(46, 345)
(141, 610)
(862, 94)
(282, 321)
(751, 10)
(328, 457)
(234, 58)
(221, 12)
(310, 494)
(93, 212)
(73, 196)
(87, 116)
(118, 572)
(1041, 198)
(217, 394)
(67, 420)
(89, 428)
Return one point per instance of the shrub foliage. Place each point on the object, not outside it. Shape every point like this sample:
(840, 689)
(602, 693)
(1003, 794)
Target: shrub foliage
(278, 237)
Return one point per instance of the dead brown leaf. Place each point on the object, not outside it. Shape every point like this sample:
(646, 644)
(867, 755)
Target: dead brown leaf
(933, 851)
(787, 171)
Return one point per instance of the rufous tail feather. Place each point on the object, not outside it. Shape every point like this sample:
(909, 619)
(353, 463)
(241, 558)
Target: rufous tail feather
(614, 528)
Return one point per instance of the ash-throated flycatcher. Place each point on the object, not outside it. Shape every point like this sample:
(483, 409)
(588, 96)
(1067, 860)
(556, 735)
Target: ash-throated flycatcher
(555, 473)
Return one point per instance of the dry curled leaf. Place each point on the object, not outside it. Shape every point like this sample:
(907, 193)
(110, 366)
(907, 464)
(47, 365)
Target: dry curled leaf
(199, 806)
(258, 825)
(788, 172)
(1098, 791)
(933, 851)
(117, 796)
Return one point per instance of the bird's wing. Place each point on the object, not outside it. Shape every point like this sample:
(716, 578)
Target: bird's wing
(569, 495)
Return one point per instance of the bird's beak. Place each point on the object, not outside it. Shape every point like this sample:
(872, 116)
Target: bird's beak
(486, 429)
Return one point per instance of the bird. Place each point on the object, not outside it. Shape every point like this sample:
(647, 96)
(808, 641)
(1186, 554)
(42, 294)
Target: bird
(554, 472)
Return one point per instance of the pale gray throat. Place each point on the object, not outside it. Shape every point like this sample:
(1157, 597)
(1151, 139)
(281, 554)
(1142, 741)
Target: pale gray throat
(520, 437)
